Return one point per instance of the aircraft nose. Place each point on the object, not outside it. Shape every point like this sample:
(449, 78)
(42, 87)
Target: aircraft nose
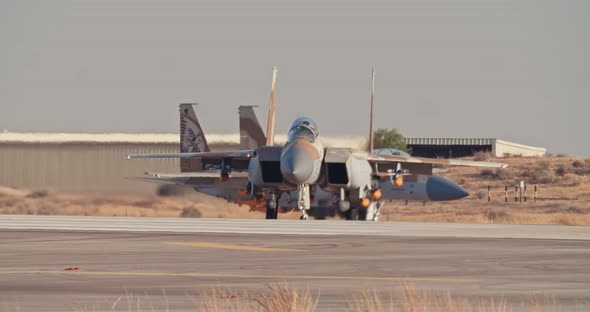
(439, 189)
(297, 166)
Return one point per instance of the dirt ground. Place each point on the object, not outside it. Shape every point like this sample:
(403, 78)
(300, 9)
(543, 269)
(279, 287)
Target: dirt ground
(563, 197)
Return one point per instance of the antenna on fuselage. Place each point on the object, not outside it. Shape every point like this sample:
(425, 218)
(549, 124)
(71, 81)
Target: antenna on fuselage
(270, 128)
(372, 121)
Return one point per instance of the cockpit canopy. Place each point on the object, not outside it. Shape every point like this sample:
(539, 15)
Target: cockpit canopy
(303, 128)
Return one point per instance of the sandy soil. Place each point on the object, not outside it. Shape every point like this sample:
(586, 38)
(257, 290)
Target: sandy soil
(563, 197)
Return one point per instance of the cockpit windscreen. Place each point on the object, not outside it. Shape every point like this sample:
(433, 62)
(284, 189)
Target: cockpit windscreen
(303, 128)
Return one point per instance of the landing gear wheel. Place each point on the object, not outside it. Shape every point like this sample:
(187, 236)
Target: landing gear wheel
(270, 214)
(362, 214)
(344, 205)
(304, 217)
(352, 214)
(272, 208)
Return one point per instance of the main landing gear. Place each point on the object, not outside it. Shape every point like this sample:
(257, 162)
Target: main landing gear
(272, 207)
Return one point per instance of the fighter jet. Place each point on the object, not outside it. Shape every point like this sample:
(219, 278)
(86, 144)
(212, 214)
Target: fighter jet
(421, 186)
(301, 166)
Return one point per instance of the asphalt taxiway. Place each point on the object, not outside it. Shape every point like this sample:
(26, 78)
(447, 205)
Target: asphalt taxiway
(123, 260)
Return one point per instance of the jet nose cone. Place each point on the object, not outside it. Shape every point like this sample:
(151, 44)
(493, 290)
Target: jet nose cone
(439, 189)
(297, 166)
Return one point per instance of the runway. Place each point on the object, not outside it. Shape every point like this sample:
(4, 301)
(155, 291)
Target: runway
(292, 227)
(123, 259)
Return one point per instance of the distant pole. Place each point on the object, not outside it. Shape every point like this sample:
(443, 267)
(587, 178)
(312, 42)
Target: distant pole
(406, 202)
(516, 194)
(535, 195)
(372, 121)
(525, 193)
(489, 193)
(520, 194)
(505, 194)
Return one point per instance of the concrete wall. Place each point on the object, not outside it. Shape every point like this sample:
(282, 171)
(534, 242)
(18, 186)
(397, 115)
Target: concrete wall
(500, 148)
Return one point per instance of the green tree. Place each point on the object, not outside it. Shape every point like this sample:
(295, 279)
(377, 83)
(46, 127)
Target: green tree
(390, 138)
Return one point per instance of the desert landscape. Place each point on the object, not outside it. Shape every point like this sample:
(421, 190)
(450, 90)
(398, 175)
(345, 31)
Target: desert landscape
(563, 197)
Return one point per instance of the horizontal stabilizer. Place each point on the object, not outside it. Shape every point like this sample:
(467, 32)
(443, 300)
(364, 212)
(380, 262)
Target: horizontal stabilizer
(192, 179)
(201, 174)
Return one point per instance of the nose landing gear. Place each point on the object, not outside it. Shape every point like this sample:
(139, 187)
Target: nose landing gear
(303, 202)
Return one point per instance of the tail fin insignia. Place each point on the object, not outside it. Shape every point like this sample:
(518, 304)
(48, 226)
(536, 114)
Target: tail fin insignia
(192, 138)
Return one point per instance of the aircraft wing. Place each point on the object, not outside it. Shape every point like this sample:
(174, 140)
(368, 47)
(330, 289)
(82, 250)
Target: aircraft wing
(204, 155)
(389, 159)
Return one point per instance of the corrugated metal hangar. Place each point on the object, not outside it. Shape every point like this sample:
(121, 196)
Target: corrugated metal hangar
(461, 147)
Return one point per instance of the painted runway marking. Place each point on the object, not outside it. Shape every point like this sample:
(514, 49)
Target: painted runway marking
(226, 246)
(257, 276)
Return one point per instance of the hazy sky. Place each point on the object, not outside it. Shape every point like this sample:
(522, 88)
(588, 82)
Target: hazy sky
(515, 70)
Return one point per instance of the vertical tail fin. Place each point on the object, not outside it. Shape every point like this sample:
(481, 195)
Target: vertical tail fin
(270, 129)
(251, 133)
(192, 138)
(372, 121)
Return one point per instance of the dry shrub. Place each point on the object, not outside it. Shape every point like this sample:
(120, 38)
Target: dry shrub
(577, 167)
(481, 194)
(190, 212)
(281, 298)
(499, 216)
(482, 156)
(562, 170)
(539, 175)
(501, 174)
(39, 194)
(581, 167)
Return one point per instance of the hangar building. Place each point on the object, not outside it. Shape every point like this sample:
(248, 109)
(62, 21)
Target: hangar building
(460, 147)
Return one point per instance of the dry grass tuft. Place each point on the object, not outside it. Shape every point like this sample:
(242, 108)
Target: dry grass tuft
(224, 299)
(274, 298)
(370, 300)
(409, 299)
(280, 297)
